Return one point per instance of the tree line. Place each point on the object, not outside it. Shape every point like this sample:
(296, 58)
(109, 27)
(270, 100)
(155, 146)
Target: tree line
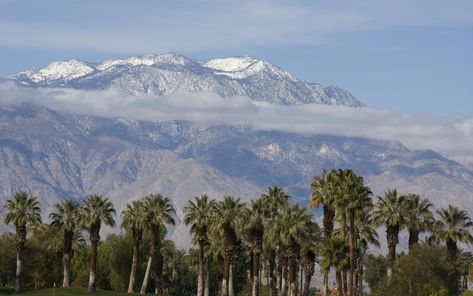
(238, 245)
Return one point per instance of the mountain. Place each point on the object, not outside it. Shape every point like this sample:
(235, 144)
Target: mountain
(175, 74)
(59, 155)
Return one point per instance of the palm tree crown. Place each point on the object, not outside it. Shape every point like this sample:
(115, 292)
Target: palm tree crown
(419, 217)
(159, 210)
(22, 210)
(65, 215)
(198, 214)
(452, 227)
(97, 210)
(133, 217)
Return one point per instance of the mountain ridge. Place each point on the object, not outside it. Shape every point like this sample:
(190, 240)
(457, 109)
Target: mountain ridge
(176, 74)
(58, 155)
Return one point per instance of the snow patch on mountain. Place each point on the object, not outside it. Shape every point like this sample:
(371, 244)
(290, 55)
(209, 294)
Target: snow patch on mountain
(66, 70)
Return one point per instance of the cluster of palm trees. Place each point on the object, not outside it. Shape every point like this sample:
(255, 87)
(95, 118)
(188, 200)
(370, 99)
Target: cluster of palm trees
(24, 210)
(150, 214)
(284, 241)
(280, 236)
(348, 205)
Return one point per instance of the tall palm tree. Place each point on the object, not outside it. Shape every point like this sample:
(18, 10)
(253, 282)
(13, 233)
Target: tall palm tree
(159, 212)
(453, 226)
(334, 254)
(133, 221)
(366, 235)
(309, 249)
(255, 222)
(66, 216)
(419, 217)
(292, 228)
(275, 199)
(353, 198)
(323, 194)
(21, 211)
(390, 210)
(95, 211)
(198, 214)
(227, 219)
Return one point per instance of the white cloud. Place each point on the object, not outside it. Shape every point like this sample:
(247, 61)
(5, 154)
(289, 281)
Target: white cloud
(450, 135)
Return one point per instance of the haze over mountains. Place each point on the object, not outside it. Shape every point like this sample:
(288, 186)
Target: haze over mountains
(59, 155)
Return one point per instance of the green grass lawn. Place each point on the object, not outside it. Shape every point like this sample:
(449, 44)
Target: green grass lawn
(61, 292)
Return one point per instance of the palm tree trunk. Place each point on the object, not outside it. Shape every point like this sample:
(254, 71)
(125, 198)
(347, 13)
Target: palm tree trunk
(226, 276)
(356, 292)
(360, 280)
(66, 282)
(329, 216)
(200, 276)
(282, 292)
(68, 237)
(231, 291)
(338, 276)
(344, 272)
(302, 278)
(159, 272)
(93, 265)
(352, 252)
(255, 268)
(153, 246)
(326, 290)
(413, 237)
(451, 250)
(307, 278)
(19, 265)
(134, 265)
(144, 286)
(292, 269)
(272, 280)
(392, 233)
(207, 277)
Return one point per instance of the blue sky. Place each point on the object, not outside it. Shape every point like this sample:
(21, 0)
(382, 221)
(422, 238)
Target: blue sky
(409, 56)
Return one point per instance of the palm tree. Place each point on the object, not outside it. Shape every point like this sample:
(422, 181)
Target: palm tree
(275, 199)
(133, 221)
(366, 235)
(452, 227)
(255, 220)
(198, 214)
(323, 194)
(334, 254)
(419, 217)
(66, 216)
(95, 211)
(309, 250)
(390, 210)
(21, 211)
(292, 228)
(159, 212)
(353, 199)
(227, 219)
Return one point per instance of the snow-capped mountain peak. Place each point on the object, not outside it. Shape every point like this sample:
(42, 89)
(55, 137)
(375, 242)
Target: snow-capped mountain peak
(243, 67)
(147, 60)
(230, 64)
(60, 70)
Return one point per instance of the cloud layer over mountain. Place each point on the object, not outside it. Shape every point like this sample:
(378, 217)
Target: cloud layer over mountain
(450, 135)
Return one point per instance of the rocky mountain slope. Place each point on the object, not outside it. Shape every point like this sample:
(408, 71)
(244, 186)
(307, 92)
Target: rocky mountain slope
(59, 155)
(175, 74)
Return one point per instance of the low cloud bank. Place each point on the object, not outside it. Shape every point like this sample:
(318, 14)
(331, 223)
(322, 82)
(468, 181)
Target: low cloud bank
(450, 135)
